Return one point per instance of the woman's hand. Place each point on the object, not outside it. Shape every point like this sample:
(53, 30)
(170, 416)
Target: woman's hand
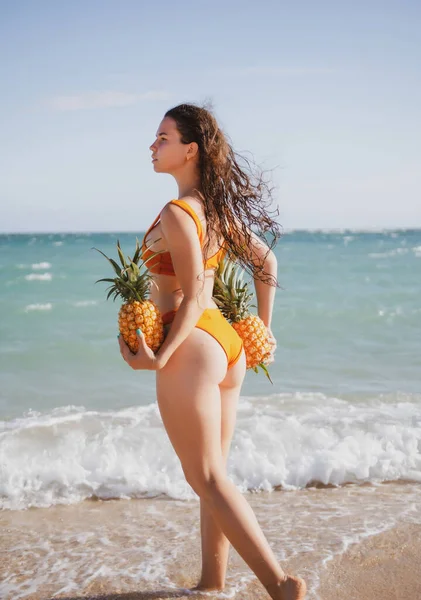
(144, 357)
(272, 344)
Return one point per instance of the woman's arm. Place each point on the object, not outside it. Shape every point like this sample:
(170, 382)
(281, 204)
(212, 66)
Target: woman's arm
(265, 293)
(259, 254)
(180, 233)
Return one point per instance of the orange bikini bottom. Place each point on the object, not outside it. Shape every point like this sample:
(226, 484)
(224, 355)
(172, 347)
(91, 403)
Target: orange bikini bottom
(219, 328)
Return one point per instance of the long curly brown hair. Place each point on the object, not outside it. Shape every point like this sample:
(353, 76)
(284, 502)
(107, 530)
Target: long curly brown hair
(235, 195)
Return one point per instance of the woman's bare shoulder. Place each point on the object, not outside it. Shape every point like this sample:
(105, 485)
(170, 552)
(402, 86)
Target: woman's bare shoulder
(172, 216)
(195, 203)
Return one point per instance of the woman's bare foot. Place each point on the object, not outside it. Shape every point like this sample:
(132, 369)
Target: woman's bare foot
(291, 588)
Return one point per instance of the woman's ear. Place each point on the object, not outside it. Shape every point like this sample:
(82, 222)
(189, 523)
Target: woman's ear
(192, 150)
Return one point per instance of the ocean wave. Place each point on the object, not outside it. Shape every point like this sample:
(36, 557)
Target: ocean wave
(41, 265)
(397, 312)
(288, 441)
(82, 303)
(47, 306)
(389, 253)
(39, 277)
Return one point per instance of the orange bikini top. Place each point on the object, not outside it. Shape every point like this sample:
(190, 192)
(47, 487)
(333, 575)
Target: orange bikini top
(161, 264)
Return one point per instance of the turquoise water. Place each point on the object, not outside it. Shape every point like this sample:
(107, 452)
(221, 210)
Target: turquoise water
(346, 377)
(348, 320)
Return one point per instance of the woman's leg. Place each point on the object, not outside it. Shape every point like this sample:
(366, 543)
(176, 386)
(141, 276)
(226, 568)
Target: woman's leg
(190, 405)
(215, 545)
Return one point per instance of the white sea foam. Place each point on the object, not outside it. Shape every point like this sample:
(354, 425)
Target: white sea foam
(82, 303)
(41, 265)
(390, 312)
(71, 453)
(417, 251)
(58, 243)
(389, 253)
(288, 441)
(47, 306)
(39, 277)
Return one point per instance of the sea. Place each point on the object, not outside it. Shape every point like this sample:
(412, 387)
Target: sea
(334, 442)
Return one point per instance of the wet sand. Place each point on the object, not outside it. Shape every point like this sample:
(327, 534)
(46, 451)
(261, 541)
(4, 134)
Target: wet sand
(150, 548)
(383, 567)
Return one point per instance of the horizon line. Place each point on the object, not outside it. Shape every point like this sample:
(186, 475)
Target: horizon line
(284, 231)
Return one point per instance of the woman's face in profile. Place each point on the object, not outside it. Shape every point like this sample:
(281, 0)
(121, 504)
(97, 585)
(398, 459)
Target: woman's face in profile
(168, 152)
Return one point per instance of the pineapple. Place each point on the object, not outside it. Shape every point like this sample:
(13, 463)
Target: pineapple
(233, 298)
(137, 312)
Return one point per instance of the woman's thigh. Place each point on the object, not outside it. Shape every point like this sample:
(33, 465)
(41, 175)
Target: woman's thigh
(230, 389)
(189, 401)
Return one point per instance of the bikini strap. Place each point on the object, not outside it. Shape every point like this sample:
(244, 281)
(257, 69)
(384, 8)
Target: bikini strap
(150, 229)
(188, 209)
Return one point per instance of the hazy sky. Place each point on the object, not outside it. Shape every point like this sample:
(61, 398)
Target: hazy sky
(328, 94)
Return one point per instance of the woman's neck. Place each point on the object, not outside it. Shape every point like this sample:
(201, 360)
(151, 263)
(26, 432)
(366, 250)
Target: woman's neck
(188, 182)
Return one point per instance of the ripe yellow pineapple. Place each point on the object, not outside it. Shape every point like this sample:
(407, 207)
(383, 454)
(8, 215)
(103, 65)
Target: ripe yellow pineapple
(233, 297)
(137, 312)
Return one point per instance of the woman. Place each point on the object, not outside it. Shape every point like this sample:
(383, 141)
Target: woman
(201, 365)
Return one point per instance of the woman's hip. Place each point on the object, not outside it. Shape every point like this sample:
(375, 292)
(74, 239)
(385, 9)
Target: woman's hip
(214, 323)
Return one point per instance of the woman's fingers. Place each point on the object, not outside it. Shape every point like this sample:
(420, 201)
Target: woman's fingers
(272, 343)
(144, 358)
(124, 349)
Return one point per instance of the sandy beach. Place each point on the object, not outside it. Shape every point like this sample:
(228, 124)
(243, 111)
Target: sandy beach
(385, 566)
(338, 539)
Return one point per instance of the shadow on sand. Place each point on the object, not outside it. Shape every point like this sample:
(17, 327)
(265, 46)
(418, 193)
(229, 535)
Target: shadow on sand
(157, 595)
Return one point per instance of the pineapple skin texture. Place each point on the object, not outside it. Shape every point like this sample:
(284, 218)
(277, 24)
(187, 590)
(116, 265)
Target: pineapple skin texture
(252, 331)
(144, 316)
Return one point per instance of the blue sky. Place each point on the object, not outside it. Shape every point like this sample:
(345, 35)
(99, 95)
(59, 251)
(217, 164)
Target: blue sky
(327, 94)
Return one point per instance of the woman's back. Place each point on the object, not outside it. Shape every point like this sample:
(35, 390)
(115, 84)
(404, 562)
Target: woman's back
(165, 289)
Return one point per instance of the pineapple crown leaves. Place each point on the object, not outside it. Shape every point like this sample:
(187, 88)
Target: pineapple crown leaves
(130, 282)
(231, 294)
(264, 369)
